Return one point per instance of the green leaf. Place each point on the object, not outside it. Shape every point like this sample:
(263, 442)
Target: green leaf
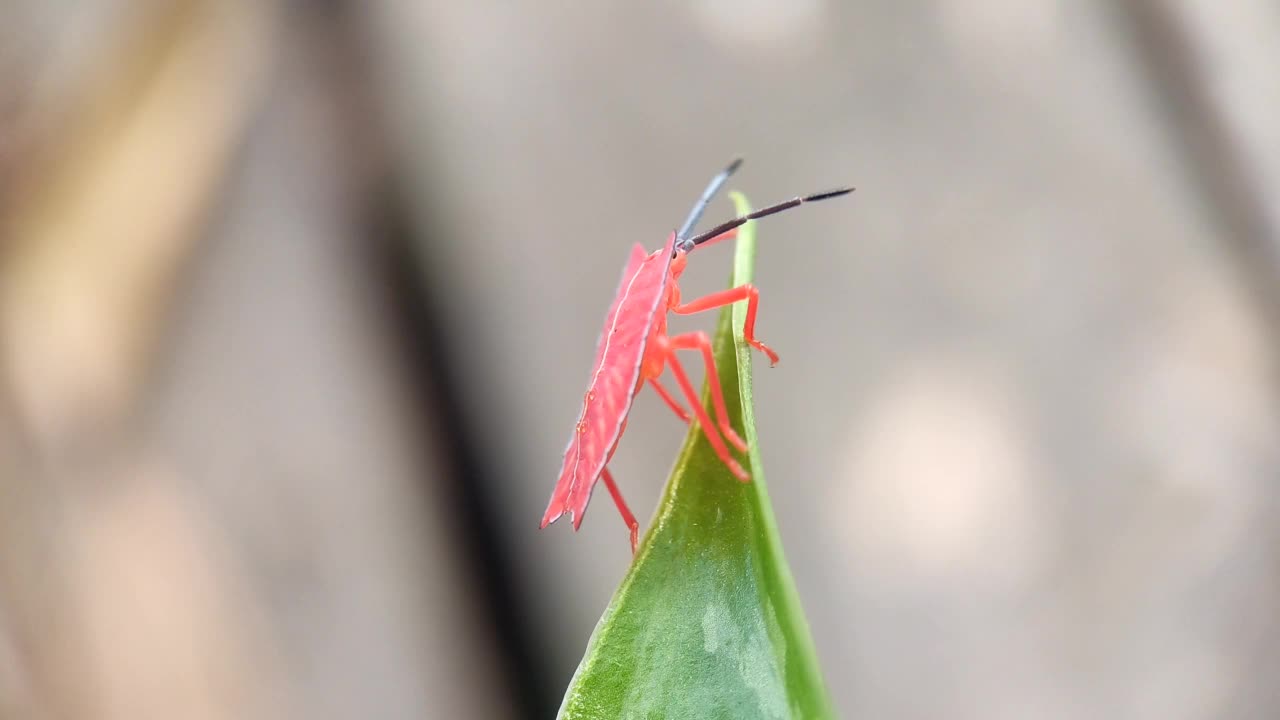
(707, 623)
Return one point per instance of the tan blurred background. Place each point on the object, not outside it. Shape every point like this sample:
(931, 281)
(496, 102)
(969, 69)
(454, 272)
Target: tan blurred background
(297, 301)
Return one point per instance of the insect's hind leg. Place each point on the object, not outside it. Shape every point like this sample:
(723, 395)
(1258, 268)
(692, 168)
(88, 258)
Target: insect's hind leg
(746, 292)
(692, 395)
(625, 511)
(700, 341)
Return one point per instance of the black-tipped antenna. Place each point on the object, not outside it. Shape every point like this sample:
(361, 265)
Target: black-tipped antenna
(772, 209)
(716, 183)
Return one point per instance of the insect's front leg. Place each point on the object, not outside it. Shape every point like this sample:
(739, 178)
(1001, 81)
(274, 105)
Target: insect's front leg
(746, 292)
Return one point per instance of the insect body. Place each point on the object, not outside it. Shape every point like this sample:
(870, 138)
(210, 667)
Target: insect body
(634, 348)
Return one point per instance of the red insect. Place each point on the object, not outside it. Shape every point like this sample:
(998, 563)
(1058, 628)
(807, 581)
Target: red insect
(635, 348)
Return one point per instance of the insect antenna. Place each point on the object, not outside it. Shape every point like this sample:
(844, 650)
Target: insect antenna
(725, 227)
(712, 188)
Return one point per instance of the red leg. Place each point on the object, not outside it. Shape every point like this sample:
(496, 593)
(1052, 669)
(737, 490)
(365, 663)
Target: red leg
(712, 436)
(670, 401)
(627, 517)
(746, 292)
(700, 341)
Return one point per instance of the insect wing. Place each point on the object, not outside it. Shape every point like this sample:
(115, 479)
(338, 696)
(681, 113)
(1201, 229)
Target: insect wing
(613, 381)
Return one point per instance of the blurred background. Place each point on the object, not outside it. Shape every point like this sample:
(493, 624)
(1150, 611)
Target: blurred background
(298, 301)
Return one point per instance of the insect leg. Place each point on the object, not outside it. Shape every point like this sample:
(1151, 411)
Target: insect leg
(625, 511)
(712, 436)
(670, 401)
(746, 292)
(700, 341)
